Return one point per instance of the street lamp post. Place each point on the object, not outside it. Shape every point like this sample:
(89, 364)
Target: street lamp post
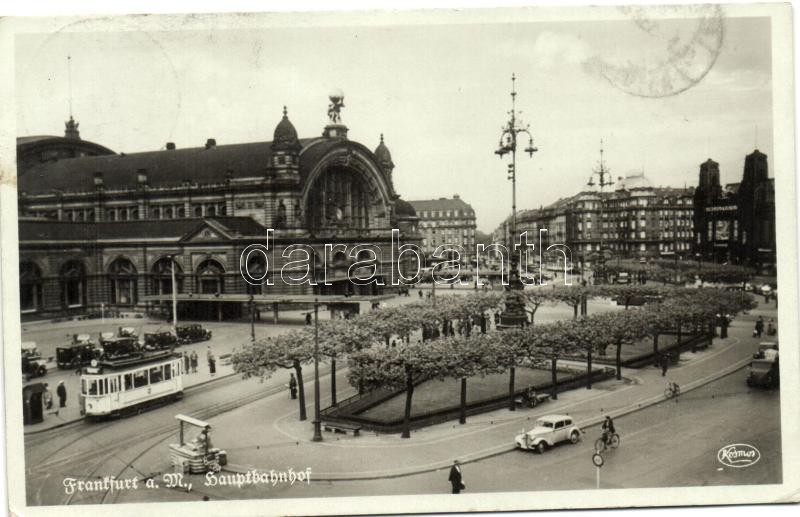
(508, 144)
(317, 423)
(601, 172)
(252, 306)
(174, 295)
(514, 315)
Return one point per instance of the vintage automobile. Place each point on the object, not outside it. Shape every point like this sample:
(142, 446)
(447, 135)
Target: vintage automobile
(33, 365)
(119, 347)
(126, 332)
(192, 333)
(765, 371)
(80, 352)
(623, 278)
(159, 340)
(766, 350)
(547, 432)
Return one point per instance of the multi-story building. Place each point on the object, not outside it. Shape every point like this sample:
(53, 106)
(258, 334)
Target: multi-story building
(448, 222)
(100, 228)
(637, 220)
(736, 224)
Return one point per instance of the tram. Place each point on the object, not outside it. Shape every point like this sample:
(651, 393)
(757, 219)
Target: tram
(117, 385)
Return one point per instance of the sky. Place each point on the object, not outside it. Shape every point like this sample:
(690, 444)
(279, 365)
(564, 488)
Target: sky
(438, 92)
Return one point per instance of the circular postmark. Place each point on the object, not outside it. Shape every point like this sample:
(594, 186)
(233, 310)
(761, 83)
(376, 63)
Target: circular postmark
(675, 53)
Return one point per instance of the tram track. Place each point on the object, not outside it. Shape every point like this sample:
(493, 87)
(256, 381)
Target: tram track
(105, 454)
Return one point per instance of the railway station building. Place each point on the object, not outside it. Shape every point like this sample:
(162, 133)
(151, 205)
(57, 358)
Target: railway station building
(102, 229)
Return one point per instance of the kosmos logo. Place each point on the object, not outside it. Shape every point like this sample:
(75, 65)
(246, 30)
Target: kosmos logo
(738, 455)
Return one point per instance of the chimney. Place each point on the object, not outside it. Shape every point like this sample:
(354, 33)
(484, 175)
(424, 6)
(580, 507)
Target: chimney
(211, 143)
(141, 176)
(170, 146)
(98, 179)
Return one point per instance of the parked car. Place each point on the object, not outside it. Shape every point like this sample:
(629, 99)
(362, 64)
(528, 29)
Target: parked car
(192, 333)
(159, 340)
(764, 373)
(126, 332)
(623, 278)
(766, 350)
(547, 432)
(82, 348)
(32, 363)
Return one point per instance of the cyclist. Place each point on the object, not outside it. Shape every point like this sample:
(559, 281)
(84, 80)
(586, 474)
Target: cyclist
(608, 430)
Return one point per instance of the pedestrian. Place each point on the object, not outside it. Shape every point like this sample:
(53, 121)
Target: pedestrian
(394, 343)
(664, 364)
(47, 397)
(483, 323)
(193, 361)
(420, 293)
(308, 318)
(760, 326)
(455, 478)
(771, 327)
(186, 362)
(212, 362)
(61, 391)
(292, 386)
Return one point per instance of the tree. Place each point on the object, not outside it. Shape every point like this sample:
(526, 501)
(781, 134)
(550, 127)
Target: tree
(626, 294)
(583, 334)
(618, 328)
(508, 347)
(262, 358)
(537, 297)
(398, 368)
(550, 342)
(572, 295)
(338, 337)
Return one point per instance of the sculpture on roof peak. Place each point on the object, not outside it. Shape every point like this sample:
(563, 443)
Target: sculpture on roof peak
(335, 107)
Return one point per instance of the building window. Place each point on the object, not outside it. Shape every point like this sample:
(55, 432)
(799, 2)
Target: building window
(156, 213)
(161, 278)
(72, 279)
(210, 277)
(30, 287)
(122, 282)
(211, 211)
(198, 211)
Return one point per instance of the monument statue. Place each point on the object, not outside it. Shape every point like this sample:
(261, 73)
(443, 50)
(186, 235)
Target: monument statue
(335, 107)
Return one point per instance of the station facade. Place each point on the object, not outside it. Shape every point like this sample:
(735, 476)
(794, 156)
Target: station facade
(101, 229)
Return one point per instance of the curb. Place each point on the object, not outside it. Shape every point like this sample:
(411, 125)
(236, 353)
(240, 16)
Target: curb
(76, 420)
(503, 449)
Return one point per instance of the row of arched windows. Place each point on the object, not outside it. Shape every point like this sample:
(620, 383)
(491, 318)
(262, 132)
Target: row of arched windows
(121, 277)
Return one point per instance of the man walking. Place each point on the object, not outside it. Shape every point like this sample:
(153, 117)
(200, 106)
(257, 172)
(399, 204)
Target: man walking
(193, 360)
(212, 362)
(760, 326)
(186, 362)
(292, 386)
(455, 478)
(61, 391)
(664, 364)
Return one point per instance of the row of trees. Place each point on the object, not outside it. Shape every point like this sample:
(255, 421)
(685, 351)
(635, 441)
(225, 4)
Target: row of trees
(671, 271)
(372, 363)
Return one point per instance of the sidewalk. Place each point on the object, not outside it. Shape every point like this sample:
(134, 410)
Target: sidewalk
(282, 442)
(226, 338)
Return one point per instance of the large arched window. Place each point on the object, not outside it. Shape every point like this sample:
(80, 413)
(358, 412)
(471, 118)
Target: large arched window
(122, 282)
(72, 279)
(339, 198)
(210, 277)
(30, 287)
(161, 278)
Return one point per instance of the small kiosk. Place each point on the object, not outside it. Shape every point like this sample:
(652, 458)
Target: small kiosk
(196, 456)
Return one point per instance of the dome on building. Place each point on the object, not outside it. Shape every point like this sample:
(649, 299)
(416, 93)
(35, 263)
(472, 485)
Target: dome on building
(383, 155)
(285, 137)
(634, 180)
(404, 208)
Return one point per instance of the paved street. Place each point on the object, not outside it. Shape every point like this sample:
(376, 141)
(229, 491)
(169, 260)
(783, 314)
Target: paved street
(257, 424)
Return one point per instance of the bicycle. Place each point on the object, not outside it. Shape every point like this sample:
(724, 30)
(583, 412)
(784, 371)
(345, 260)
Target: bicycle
(672, 390)
(606, 442)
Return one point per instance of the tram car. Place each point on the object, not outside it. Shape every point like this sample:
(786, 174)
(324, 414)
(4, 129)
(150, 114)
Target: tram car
(126, 384)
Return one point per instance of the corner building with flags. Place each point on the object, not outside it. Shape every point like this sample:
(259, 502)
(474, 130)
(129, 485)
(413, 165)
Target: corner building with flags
(97, 228)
